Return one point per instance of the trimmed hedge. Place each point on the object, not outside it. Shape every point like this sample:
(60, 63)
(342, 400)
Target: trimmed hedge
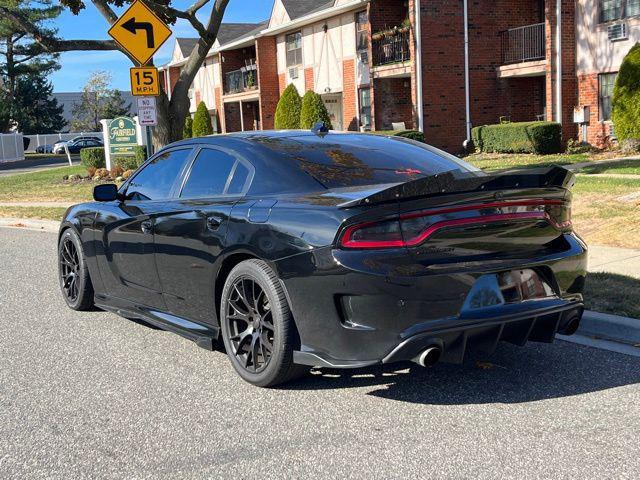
(626, 97)
(288, 109)
(187, 130)
(202, 122)
(93, 158)
(313, 111)
(524, 137)
(412, 134)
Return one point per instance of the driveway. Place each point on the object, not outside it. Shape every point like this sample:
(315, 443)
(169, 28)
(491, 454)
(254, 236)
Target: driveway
(92, 395)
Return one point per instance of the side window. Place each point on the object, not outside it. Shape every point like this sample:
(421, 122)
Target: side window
(156, 179)
(209, 174)
(239, 180)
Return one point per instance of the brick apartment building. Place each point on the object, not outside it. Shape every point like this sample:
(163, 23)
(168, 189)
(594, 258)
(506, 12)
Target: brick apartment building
(363, 57)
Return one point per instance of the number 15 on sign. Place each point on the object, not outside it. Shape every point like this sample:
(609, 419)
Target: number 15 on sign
(144, 81)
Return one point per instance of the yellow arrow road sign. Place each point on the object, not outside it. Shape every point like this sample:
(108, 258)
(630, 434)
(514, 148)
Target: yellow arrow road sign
(140, 32)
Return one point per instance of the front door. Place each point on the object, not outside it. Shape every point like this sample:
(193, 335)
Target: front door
(191, 236)
(126, 250)
(333, 102)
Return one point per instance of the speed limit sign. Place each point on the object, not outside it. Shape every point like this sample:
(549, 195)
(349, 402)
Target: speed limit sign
(144, 81)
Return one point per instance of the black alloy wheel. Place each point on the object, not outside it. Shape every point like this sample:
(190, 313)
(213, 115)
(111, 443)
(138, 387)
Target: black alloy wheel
(75, 283)
(250, 323)
(258, 330)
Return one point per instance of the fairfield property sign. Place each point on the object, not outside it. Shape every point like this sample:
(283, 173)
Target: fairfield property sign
(122, 136)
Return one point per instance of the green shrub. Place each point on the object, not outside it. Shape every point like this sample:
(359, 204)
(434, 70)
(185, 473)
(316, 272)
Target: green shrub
(626, 96)
(93, 158)
(412, 134)
(313, 110)
(288, 109)
(202, 122)
(187, 130)
(525, 137)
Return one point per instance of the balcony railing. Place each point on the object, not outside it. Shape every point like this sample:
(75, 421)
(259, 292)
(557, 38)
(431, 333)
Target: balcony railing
(523, 44)
(241, 80)
(392, 47)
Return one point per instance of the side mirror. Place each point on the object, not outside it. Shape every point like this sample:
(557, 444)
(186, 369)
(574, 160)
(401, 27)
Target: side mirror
(105, 193)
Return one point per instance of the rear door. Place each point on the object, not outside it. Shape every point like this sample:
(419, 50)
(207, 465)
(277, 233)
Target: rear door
(127, 259)
(190, 236)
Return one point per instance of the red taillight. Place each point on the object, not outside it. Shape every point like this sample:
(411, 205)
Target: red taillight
(413, 229)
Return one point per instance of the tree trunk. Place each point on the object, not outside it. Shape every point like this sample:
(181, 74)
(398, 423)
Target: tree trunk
(171, 116)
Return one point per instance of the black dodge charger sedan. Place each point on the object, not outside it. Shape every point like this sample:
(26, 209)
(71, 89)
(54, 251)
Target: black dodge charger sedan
(300, 249)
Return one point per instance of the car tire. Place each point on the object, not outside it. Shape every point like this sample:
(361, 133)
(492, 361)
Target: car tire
(73, 274)
(255, 317)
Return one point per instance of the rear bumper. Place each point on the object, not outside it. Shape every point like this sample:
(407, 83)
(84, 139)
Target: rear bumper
(353, 313)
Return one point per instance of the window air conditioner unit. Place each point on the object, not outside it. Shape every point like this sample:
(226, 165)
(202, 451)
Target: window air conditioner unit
(293, 73)
(617, 32)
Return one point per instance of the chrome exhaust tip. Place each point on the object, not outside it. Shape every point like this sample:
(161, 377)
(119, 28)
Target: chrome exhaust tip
(571, 322)
(429, 357)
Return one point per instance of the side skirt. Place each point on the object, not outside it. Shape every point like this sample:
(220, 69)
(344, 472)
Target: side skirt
(205, 336)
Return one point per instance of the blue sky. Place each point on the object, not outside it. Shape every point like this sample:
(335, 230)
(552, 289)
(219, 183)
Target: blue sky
(77, 66)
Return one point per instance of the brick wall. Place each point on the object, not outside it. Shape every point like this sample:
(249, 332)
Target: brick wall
(282, 82)
(174, 75)
(393, 102)
(232, 117)
(349, 105)
(387, 14)
(598, 132)
(308, 80)
(268, 80)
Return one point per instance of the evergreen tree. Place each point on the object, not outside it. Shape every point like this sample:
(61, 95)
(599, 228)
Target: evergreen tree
(202, 122)
(187, 131)
(313, 111)
(626, 97)
(288, 109)
(99, 101)
(36, 111)
(20, 53)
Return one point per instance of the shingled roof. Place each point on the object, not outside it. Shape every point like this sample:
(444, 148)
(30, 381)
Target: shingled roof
(300, 8)
(235, 31)
(186, 45)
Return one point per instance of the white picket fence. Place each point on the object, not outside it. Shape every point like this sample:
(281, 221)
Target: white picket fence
(51, 138)
(11, 147)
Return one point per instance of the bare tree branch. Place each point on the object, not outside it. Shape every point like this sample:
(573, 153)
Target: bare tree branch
(197, 6)
(106, 11)
(53, 44)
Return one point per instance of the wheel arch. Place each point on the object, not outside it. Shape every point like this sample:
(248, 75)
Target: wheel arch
(227, 265)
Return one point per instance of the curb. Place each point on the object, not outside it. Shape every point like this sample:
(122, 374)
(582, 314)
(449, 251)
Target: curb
(610, 327)
(30, 224)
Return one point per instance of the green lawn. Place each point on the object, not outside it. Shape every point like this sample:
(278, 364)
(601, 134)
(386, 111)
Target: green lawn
(616, 294)
(39, 213)
(45, 186)
(501, 161)
(626, 167)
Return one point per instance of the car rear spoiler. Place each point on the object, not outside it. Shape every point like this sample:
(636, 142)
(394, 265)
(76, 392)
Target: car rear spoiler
(455, 181)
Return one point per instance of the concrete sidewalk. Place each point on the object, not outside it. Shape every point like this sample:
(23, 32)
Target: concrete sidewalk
(621, 261)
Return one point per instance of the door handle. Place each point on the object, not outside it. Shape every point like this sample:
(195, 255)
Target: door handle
(213, 223)
(146, 227)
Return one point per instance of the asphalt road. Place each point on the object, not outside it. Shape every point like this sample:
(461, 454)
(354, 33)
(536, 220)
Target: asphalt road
(92, 395)
(31, 164)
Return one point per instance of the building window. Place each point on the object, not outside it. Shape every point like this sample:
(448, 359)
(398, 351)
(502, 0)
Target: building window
(606, 83)
(294, 49)
(611, 10)
(362, 33)
(364, 95)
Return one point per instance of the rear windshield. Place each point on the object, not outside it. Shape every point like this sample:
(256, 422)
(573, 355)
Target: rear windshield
(354, 160)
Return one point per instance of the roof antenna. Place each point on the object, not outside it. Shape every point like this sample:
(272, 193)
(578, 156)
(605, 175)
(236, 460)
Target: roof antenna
(320, 129)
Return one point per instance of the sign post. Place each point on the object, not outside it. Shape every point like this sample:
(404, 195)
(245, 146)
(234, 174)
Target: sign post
(147, 117)
(141, 33)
